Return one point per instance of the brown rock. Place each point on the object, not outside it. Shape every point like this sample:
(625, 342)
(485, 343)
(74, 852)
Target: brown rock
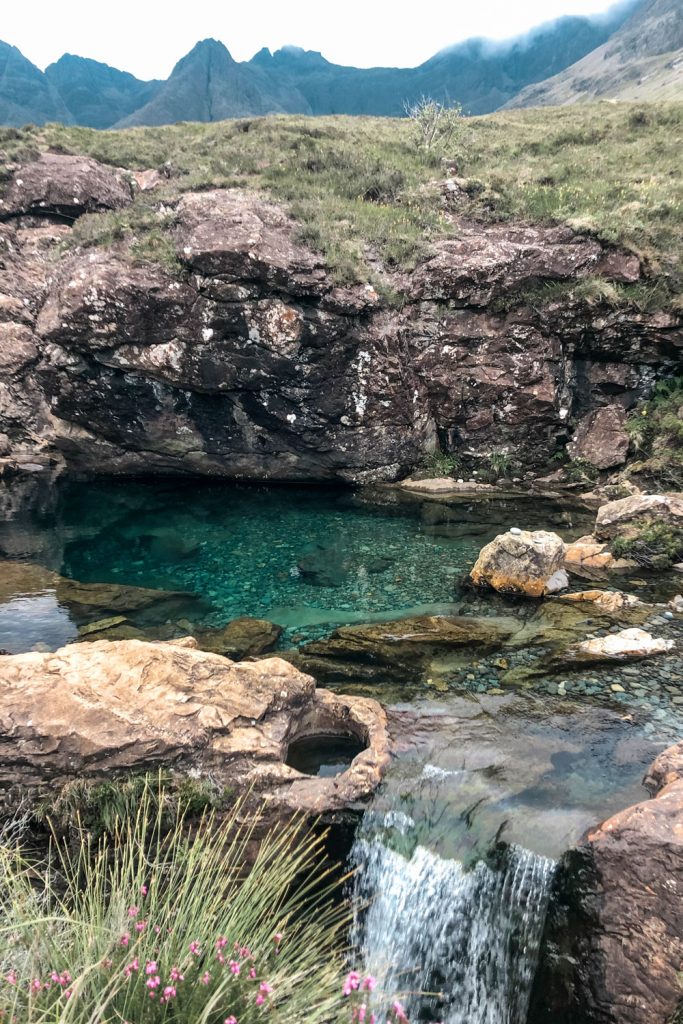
(615, 934)
(400, 650)
(65, 185)
(601, 438)
(617, 518)
(608, 600)
(588, 557)
(626, 645)
(242, 638)
(522, 562)
(101, 708)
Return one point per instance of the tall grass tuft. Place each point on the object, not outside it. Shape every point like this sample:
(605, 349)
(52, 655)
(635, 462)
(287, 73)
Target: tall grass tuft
(160, 921)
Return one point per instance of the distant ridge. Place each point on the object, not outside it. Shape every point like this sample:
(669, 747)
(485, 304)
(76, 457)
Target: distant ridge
(208, 85)
(643, 60)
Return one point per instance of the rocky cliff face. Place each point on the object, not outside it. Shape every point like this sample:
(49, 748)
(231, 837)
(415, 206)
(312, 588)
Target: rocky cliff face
(613, 944)
(250, 362)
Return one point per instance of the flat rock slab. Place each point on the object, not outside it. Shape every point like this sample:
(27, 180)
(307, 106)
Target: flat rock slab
(91, 710)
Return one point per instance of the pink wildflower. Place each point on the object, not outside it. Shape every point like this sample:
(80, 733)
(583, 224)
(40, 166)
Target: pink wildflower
(221, 942)
(235, 967)
(264, 990)
(368, 984)
(133, 911)
(124, 940)
(169, 992)
(351, 983)
(153, 982)
(230, 1020)
(195, 948)
(140, 926)
(36, 985)
(277, 938)
(11, 977)
(252, 973)
(398, 1012)
(143, 890)
(151, 967)
(205, 978)
(176, 975)
(361, 1013)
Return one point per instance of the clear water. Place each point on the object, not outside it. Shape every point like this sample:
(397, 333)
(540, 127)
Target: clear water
(305, 558)
(488, 786)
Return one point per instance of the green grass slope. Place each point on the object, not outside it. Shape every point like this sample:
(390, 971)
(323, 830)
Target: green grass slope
(365, 195)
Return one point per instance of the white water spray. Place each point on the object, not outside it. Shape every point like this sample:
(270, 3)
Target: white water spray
(432, 926)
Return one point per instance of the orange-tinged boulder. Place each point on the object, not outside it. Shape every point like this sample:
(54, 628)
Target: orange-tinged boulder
(522, 562)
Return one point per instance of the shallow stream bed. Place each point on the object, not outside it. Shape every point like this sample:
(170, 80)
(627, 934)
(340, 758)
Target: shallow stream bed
(493, 752)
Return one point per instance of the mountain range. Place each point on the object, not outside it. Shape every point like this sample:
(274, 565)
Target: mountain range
(556, 62)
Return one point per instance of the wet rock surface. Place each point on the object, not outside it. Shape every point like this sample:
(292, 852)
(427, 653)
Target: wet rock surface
(252, 362)
(103, 708)
(614, 938)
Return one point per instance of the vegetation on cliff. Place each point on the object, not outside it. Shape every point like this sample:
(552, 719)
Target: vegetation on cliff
(365, 195)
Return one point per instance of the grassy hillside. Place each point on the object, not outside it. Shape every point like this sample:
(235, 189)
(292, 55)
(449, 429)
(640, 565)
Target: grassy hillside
(365, 195)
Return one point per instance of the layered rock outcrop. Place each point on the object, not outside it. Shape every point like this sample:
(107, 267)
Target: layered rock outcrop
(248, 360)
(94, 710)
(614, 939)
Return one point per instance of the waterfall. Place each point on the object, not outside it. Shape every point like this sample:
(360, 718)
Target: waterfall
(430, 925)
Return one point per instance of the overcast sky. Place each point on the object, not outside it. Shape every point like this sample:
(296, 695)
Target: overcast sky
(147, 37)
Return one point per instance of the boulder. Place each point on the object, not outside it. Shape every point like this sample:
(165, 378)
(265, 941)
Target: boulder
(522, 562)
(65, 186)
(626, 517)
(95, 710)
(242, 638)
(601, 438)
(613, 943)
(626, 645)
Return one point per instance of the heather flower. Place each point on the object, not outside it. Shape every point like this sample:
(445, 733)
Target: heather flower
(153, 982)
(399, 1012)
(124, 940)
(36, 985)
(11, 977)
(230, 1020)
(151, 967)
(221, 942)
(140, 926)
(133, 911)
(176, 975)
(143, 890)
(252, 973)
(205, 978)
(195, 949)
(235, 967)
(169, 993)
(351, 983)
(368, 983)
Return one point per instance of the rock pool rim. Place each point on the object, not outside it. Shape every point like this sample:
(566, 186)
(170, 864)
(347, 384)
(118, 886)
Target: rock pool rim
(313, 753)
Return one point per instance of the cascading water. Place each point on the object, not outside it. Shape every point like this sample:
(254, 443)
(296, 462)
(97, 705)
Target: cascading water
(453, 944)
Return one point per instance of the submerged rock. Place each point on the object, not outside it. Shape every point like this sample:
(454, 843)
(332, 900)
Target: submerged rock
(242, 638)
(95, 710)
(398, 651)
(522, 562)
(87, 599)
